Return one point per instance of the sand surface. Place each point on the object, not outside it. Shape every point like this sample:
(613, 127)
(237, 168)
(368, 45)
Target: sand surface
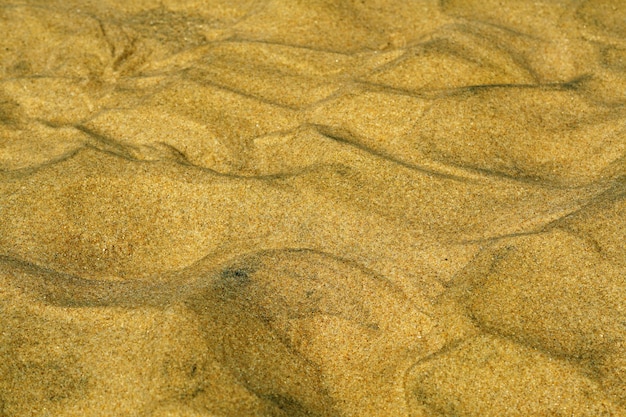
(312, 208)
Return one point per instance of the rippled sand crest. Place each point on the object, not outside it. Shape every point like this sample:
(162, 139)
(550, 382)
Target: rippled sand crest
(322, 208)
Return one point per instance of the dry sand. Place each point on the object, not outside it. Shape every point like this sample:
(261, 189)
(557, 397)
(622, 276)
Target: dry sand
(312, 208)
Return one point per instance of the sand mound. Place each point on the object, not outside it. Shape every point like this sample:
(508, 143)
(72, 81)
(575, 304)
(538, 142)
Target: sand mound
(321, 208)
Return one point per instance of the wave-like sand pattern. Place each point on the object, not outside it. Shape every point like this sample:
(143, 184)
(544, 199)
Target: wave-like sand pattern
(283, 208)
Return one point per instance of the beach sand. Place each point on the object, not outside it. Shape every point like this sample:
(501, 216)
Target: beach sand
(312, 208)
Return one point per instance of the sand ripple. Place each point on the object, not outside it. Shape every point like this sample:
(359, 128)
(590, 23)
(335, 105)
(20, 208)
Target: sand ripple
(278, 208)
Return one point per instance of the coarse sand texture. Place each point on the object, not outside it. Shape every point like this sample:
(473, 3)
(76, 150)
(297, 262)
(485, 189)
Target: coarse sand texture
(320, 208)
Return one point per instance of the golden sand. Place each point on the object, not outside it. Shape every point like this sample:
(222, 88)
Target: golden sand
(312, 208)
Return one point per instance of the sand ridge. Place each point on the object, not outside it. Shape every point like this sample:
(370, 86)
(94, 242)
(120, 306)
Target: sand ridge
(288, 208)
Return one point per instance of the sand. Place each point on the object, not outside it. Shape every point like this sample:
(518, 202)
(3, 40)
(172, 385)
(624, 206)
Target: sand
(312, 208)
